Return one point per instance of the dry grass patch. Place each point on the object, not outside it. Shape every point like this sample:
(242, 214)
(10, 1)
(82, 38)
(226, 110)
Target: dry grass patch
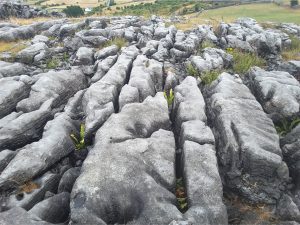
(293, 51)
(13, 47)
(22, 21)
(260, 12)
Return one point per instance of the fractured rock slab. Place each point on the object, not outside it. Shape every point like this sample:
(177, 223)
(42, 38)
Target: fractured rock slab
(100, 99)
(129, 173)
(60, 85)
(277, 91)
(247, 143)
(35, 158)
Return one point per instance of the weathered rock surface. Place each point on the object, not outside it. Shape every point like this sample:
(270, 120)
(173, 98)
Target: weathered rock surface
(199, 162)
(25, 128)
(212, 59)
(13, 92)
(84, 56)
(248, 35)
(68, 179)
(14, 9)
(54, 209)
(33, 54)
(292, 67)
(290, 149)
(247, 143)
(12, 69)
(221, 148)
(100, 99)
(103, 66)
(27, 198)
(60, 85)
(139, 158)
(277, 91)
(35, 158)
(147, 76)
(17, 216)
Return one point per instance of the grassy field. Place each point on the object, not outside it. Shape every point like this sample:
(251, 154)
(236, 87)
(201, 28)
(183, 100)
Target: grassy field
(85, 3)
(261, 12)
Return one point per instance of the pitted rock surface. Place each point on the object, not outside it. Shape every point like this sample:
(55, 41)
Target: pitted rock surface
(101, 118)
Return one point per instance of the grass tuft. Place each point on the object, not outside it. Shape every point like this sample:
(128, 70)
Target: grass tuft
(293, 51)
(191, 70)
(207, 44)
(286, 126)
(120, 42)
(52, 63)
(209, 76)
(243, 61)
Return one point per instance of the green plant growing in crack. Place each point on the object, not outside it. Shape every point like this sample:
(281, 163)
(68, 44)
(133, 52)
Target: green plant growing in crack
(181, 195)
(79, 142)
(286, 126)
(52, 63)
(209, 76)
(65, 57)
(191, 70)
(169, 96)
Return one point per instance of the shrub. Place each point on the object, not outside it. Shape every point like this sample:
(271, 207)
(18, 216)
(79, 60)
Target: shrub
(73, 11)
(294, 3)
(243, 61)
(210, 76)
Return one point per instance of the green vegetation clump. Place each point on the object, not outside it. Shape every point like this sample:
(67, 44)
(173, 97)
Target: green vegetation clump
(181, 195)
(209, 76)
(294, 3)
(169, 96)
(286, 126)
(293, 51)
(159, 7)
(191, 70)
(120, 42)
(73, 11)
(66, 57)
(79, 142)
(208, 44)
(52, 63)
(243, 61)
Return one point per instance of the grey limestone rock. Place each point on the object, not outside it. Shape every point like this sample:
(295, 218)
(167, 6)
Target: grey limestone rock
(136, 173)
(37, 157)
(60, 85)
(25, 128)
(68, 179)
(13, 92)
(100, 99)
(247, 142)
(55, 209)
(34, 53)
(277, 91)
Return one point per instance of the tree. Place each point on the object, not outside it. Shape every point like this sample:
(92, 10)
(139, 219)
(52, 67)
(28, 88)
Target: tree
(294, 3)
(197, 7)
(73, 11)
